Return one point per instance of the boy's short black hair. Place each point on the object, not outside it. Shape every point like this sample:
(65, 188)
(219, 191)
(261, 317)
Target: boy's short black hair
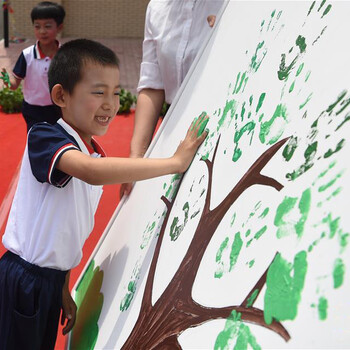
(48, 9)
(66, 65)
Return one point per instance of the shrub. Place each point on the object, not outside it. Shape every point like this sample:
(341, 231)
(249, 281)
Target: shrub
(11, 100)
(127, 99)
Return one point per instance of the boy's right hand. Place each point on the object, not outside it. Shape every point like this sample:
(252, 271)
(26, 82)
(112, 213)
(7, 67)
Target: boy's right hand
(5, 78)
(187, 149)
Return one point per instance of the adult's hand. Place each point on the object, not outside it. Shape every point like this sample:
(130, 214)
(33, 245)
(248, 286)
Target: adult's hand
(211, 20)
(125, 189)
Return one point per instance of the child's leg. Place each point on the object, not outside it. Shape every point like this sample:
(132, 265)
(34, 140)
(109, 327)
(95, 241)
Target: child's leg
(30, 304)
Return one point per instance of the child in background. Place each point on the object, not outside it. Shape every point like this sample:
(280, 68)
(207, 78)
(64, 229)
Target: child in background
(61, 178)
(33, 64)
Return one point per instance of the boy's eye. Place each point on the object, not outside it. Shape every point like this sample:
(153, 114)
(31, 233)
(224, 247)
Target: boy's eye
(117, 93)
(97, 92)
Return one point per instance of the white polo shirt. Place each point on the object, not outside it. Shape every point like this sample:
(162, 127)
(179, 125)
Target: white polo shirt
(174, 32)
(52, 213)
(33, 66)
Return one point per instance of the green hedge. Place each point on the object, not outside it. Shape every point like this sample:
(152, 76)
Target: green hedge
(11, 100)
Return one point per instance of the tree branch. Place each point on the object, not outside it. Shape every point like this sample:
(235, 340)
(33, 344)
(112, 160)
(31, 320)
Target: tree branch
(250, 178)
(247, 302)
(250, 315)
(209, 164)
(147, 296)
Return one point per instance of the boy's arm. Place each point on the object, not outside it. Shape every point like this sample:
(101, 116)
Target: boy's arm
(69, 308)
(11, 82)
(100, 171)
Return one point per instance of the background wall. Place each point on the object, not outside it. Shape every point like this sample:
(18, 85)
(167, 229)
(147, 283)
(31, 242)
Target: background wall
(87, 18)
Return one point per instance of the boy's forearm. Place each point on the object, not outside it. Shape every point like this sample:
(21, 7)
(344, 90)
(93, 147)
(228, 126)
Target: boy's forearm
(103, 171)
(14, 82)
(66, 282)
(148, 108)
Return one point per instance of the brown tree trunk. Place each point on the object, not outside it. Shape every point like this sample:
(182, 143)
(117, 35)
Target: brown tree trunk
(158, 326)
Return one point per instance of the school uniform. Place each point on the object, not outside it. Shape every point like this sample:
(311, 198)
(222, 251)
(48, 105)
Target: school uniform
(32, 66)
(51, 217)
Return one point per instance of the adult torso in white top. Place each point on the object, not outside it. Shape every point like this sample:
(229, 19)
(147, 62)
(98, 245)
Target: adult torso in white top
(174, 33)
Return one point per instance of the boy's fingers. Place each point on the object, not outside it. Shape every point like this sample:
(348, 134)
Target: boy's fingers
(63, 317)
(69, 325)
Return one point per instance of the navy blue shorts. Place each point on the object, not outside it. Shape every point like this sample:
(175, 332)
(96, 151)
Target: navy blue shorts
(30, 304)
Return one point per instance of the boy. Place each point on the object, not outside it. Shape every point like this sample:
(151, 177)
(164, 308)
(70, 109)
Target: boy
(59, 188)
(33, 64)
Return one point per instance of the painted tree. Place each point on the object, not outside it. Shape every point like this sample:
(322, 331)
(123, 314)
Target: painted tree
(159, 325)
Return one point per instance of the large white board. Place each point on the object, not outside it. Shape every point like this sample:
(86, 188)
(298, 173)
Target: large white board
(250, 247)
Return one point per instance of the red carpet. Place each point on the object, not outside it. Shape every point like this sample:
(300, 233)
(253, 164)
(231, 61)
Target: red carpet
(13, 137)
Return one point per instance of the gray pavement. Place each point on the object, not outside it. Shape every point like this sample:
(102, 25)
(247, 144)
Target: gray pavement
(129, 51)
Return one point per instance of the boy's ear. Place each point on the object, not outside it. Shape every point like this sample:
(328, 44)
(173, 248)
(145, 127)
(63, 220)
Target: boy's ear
(58, 95)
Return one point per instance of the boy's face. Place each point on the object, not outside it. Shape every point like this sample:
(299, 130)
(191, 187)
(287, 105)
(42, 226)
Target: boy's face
(46, 30)
(94, 102)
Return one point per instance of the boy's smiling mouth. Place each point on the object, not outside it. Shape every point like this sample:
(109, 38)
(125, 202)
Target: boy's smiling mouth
(103, 119)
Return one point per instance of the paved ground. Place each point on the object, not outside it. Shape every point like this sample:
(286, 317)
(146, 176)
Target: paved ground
(129, 51)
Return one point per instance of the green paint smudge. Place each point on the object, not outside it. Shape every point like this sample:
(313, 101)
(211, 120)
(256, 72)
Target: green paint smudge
(240, 83)
(235, 250)
(330, 183)
(304, 103)
(311, 7)
(309, 155)
(300, 42)
(219, 272)
(264, 213)
(89, 301)
(300, 69)
(304, 207)
(260, 102)
(248, 128)
(328, 8)
(251, 263)
(147, 234)
(290, 148)
(252, 298)
(291, 88)
(270, 131)
(322, 308)
(235, 329)
(284, 70)
(343, 241)
(255, 63)
(283, 292)
(176, 230)
(284, 227)
(129, 296)
(260, 232)
(339, 146)
(338, 273)
(229, 107)
(339, 98)
(307, 76)
(346, 119)
(321, 5)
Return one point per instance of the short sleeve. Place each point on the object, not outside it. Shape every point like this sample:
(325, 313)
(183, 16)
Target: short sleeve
(20, 68)
(150, 75)
(46, 145)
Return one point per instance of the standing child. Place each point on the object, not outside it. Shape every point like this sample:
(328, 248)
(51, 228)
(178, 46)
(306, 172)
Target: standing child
(33, 65)
(61, 178)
